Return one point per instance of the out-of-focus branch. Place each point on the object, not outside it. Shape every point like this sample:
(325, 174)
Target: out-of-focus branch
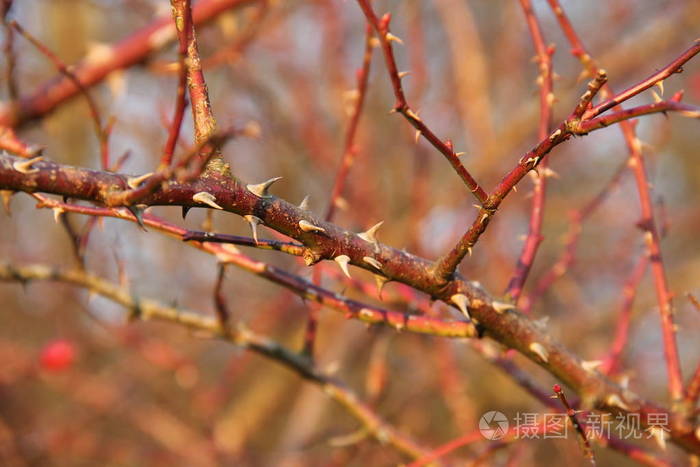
(102, 132)
(545, 80)
(93, 70)
(147, 309)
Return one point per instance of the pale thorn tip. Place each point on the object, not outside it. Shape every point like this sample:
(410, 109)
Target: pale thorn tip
(390, 37)
(515, 188)
(616, 401)
(462, 302)
(260, 190)
(207, 198)
(57, 211)
(135, 182)
(304, 205)
(25, 166)
(413, 115)
(656, 97)
(307, 226)
(253, 221)
(372, 262)
(501, 307)
(469, 251)
(381, 282)
(343, 261)
(404, 73)
(458, 154)
(539, 350)
(417, 136)
(549, 173)
(370, 235)
(660, 85)
(591, 365)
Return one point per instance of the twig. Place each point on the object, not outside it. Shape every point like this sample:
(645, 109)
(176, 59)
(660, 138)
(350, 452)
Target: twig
(629, 291)
(291, 248)
(571, 414)
(545, 80)
(381, 26)
(102, 132)
(204, 123)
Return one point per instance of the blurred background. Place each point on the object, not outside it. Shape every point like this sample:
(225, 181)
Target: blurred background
(112, 393)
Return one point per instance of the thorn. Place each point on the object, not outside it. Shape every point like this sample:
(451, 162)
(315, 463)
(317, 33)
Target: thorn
(381, 282)
(656, 97)
(615, 401)
(343, 261)
(137, 211)
(370, 235)
(207, 198)
(591, 365)
(57, 211)
(417, 136)
(185, 209)
(539, 350)
(134, 182)
(458, 154)
(660, 85)
(309, 227)
(515, 188)
(469, 251)
(549, 173)
(392, 38)
(260, 190)
(412, 115)
(501, 307)
(304, 205)
(462, 302)
(253, 221)
(404, 73)
(6, 199)
(25, 166)
(373, 262)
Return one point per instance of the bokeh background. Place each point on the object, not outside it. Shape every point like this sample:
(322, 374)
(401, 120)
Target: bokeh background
(153, 394)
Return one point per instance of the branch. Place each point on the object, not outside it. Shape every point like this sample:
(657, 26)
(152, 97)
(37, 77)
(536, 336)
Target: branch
(401, 105)
(636, 162)
(147, 309)
(91, 71)
(498, 320)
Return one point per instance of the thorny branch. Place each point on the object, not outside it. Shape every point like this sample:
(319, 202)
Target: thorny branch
(318, 239)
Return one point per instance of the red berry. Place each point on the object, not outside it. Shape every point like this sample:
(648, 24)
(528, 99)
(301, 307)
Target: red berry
(57, 355)
(557, 388)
